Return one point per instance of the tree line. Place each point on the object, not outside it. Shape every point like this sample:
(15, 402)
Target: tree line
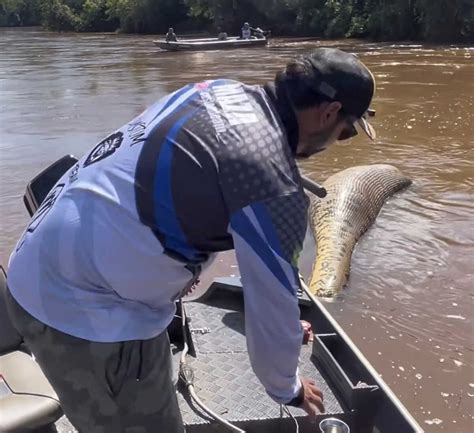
(430, 20)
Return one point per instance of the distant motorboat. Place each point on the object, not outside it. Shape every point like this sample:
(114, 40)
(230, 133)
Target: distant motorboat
(209, 44)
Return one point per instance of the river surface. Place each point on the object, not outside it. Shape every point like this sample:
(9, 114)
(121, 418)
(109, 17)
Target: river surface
(409, 302)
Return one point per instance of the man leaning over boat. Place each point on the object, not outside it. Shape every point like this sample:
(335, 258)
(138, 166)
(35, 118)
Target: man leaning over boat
(211, 167)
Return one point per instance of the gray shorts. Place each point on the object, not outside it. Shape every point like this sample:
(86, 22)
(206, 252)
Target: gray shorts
(123, 387)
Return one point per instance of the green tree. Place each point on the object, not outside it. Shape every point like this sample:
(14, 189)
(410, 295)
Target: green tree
(392, 19)
(433, 20)
(94, 16)
(19, 12)
(146, 16)
(61, 14)
(76, 15)
(451, 20)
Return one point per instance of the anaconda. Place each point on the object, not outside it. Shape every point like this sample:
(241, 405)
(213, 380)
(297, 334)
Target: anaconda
(354, 199)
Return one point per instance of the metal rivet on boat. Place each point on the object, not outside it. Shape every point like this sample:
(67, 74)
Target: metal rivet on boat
(333, 425)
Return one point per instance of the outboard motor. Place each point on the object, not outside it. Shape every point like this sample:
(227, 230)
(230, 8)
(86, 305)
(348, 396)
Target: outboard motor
(39, 187)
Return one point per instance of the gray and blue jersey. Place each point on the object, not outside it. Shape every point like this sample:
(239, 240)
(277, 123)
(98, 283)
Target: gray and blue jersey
(207, 168)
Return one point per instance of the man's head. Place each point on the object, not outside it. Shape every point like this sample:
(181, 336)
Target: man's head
(330, 91)
(171, 30)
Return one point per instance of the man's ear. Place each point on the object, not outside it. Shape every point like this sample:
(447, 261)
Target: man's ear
(330, 112)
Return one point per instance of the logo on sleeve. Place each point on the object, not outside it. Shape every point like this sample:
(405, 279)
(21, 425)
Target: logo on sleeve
(105, 148)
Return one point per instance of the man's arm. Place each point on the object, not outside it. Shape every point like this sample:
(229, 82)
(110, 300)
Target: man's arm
(268, 237)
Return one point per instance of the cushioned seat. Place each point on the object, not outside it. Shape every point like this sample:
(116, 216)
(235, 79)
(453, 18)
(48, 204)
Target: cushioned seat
(27, 400)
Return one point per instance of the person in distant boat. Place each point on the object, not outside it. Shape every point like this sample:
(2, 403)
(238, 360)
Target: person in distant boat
(258, 32)
(171, 35)
(245, 31)
(93, 280)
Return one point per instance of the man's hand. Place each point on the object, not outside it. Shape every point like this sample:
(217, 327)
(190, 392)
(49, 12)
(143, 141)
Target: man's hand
(312, 397)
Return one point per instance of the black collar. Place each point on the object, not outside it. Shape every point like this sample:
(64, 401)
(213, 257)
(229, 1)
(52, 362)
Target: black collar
(281, 102)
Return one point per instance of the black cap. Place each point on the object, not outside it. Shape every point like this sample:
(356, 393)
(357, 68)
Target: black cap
(341, 76)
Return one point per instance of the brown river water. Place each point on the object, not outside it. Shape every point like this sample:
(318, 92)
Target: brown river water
(409, 302)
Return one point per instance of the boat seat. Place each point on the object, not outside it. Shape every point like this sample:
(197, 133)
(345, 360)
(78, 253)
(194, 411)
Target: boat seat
(27, 400)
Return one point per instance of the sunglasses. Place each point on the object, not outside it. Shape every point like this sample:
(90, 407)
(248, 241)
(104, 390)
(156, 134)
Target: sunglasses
(350, 130)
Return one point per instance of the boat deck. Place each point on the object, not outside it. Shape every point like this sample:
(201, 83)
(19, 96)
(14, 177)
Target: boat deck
(224, 379)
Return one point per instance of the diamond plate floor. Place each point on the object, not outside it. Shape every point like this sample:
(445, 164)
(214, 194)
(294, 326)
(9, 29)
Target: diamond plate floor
(224, 379)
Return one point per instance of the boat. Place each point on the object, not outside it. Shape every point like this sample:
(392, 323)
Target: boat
(209, 44)
(217, 389)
